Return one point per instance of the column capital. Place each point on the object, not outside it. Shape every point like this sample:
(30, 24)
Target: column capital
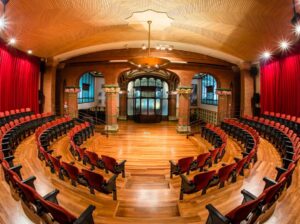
(111, 89)
(186, 90)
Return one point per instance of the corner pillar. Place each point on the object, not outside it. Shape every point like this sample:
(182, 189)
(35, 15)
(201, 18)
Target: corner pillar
(184, 109)
(112, 92)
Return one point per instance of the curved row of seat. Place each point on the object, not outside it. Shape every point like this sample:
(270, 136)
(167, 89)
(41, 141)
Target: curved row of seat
(290, 121)
(94, 181)
(252, 206)
(284, 139)
(13, 132)
(203, 181)
(43, 206)
(217, 138)
(10, 115)
(80, 133)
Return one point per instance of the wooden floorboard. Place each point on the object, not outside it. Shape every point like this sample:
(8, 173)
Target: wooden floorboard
(147, 194)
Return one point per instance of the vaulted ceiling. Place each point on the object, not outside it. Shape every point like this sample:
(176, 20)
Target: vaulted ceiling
(238, 28)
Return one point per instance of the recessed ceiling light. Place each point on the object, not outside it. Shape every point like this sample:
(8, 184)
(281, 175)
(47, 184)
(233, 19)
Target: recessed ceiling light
(266, 55)
(12, 41)
(284, 45)
(297, 29)
(2, 22)
(29, 51)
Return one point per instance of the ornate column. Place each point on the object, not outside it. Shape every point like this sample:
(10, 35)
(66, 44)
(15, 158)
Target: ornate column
(184, 93)
(70, 103)
(123, 105)
(112, 92)
(225, 99)
(172, 106)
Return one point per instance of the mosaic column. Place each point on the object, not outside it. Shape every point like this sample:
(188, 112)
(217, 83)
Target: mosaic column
(70, 103)
(112, 92)
(184, 93)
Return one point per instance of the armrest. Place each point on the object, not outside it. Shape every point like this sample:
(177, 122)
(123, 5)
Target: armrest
(111, 183)
(186, 185)
(236, 159)
(30, 181)
(58, 157)
(86, 216)
(215, 216)
(51, 196)
(280, 171)
(268, 182)
(50, 151)
(224, 164)
(248, 196)
(10, 160)
(122, 163)
(7, 152)
(17, 170)
(72, 163)
(245, 154)
(286, 162)
(172, 164)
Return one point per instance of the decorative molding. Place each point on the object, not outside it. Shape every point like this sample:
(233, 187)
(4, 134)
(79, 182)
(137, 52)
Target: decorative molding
(184, 90)
(223, 92)
(111, 88)
(72, 89)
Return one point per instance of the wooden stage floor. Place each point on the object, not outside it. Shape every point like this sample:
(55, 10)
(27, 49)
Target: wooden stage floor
(147, 194)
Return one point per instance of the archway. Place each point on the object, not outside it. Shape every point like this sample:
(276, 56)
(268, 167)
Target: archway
(148, 96)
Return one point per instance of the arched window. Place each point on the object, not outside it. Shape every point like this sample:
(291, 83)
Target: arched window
(209, 87)
(87, 86)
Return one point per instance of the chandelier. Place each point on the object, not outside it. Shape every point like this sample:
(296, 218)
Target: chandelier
(149, 63)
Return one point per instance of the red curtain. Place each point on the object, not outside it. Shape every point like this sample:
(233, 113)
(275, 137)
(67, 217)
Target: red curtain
(280, 85)
(19, 79)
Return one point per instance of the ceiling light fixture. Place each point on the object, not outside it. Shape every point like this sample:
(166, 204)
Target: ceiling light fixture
(149, 63)
(12, 41)
(29, 51)
(284, 45)
(266, 55)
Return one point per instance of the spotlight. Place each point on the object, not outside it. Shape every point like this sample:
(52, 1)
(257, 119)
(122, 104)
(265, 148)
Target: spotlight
(284, 45)
(144, 47)
(12, 41)
(163, 48)
(297, 29)
(157, 47)
(170, 48)
(266, 55)
(2, 22)
(29, 51)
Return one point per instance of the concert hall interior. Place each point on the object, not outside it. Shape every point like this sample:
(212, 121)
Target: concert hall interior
(149, 111)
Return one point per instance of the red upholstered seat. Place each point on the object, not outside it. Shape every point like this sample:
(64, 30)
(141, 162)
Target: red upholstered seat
(240, 213)
(28, 194)
(184, 164)
(202, 180)
(94, 159)
(95, 180)
(109, 163)
(240, 165)
(225, 172)
(72, 172)
(58, 213)
(214, 153)
(202, 160)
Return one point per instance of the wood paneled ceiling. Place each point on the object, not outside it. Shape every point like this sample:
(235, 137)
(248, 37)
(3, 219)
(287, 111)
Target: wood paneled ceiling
(241, 28)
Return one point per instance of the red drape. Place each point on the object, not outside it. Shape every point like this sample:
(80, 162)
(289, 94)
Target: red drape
(280, 85)
(19, 79)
